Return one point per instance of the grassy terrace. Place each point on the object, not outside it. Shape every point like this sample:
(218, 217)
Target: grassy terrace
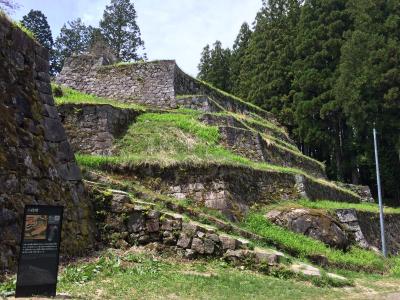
(331, 205)
(302, 246)
(75, 97)
(297, 245)
(187, 142)
(141, 274)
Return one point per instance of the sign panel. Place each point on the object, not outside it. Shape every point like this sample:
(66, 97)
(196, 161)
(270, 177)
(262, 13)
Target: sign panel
(39, 252)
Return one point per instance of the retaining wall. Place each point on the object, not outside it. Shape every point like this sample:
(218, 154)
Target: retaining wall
(37, 164)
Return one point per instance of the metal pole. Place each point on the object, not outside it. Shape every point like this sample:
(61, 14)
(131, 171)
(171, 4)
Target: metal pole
(378, 181)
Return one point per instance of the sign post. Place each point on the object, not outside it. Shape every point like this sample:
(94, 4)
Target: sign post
(378, 181)
(39, 251)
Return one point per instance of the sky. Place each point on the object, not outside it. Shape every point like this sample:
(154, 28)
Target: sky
(171, 29)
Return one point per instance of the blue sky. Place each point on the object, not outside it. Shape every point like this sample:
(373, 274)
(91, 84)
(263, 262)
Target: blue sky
(171, 29)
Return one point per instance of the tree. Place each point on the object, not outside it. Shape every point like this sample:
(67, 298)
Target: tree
(121, 31)
(36, 22)
(265, 77)
(238, 52)
(320, 126)
(368, 89)
(8, 6)
(214, 66)
(205, 63)
(74, 39)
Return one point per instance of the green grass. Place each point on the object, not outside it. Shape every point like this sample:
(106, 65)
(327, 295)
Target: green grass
(332, 205)
(178, 138)
(140, 276)
(302, 246)
(328, 205)
(128, 63)
(24, 29)
(75, 97)
(17, 24)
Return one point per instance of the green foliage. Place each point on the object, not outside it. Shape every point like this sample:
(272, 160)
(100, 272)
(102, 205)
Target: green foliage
(37, 23)
(329, 70)
(303, 246)
(214, 66)
(65, 95)
(27, 31)
(237, 57)
(7, 287)
(332, 205)
(120, 30)
(74, 38)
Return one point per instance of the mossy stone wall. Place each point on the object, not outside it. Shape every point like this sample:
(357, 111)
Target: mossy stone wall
(37, 165)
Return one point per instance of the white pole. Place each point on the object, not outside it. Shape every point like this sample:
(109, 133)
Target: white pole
(378, 181)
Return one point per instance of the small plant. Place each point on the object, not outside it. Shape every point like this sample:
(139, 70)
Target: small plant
(7, 287)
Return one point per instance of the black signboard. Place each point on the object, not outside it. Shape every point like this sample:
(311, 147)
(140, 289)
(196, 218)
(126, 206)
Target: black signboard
(39, 254)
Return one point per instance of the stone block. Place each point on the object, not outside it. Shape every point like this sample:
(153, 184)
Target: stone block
(197, 246)
(227, 242)
(152, 225)
(189, 229)
(53, 130)
(209, 246)
(184, 241)
(136, 222)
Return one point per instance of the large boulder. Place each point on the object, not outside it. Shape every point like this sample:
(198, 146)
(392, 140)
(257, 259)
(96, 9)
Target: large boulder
(313, 223)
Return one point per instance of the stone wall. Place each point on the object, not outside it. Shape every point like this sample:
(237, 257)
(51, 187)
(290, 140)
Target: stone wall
(92, 129)
(366, 228)
(224, 120)
(187, 85)
(362, 190)
(156, 83)
(37, 165)
(252, 145)
(123, 223)
(230, 189)
(148, 83)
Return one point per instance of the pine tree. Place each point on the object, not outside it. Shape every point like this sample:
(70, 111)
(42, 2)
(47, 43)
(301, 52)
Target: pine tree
(205, 63)
(318, 117)
(265, 76)
(73, 39)
(237, 57)
(368, 88)
(214, 66)
(121, 31)
(36, 22)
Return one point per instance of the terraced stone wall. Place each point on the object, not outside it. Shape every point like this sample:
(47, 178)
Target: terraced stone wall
(92, 129)
(366, 227)
(150, 83)
(156, 83)
(37, 164)
(229, 189)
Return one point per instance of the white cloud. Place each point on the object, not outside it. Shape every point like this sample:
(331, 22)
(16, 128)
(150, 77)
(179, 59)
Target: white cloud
(171, 29)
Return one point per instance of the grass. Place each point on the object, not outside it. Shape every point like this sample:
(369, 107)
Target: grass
(332, 205)
(140, 276)
(19, 25)
(28, 32)
(302, 246)
(129, 63)
(179, 138)
(71, 96)
(134, 275)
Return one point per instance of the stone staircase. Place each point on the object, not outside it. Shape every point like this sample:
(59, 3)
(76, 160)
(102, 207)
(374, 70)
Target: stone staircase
(126, 222)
